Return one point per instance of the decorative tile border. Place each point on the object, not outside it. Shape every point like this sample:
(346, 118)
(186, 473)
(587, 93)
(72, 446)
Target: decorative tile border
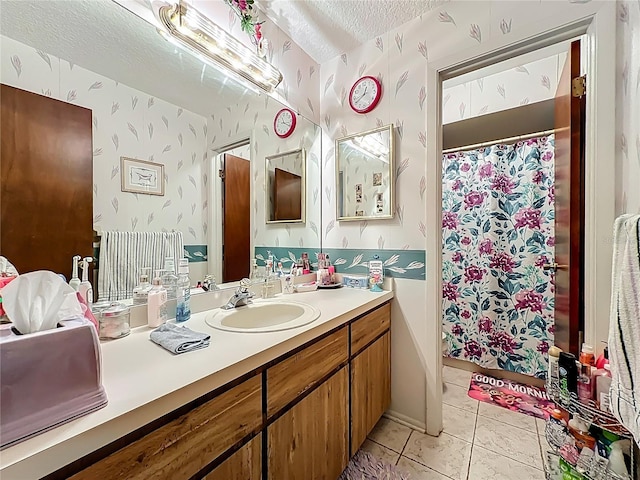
(397, 263)
(195, 253)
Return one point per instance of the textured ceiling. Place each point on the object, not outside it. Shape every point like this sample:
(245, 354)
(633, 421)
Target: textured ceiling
(327, 28)
(104, 37)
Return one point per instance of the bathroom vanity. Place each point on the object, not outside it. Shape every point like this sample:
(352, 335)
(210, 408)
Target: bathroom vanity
(281, 405)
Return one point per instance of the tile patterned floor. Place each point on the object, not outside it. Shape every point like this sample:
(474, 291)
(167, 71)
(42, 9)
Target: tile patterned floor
(479, 441)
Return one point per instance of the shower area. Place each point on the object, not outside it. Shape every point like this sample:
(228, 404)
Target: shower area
(498, 217)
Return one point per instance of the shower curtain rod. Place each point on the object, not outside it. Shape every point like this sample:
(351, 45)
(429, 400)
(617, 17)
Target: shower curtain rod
(496, 142)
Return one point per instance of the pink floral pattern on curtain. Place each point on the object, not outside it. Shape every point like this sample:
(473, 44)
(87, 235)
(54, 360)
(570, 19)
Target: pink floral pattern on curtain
(498, 232)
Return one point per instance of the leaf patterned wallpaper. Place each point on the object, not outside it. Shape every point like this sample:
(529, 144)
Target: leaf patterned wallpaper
(126, 122)
(524, 84)
(628, 111)
(398, 58)
(254, 118)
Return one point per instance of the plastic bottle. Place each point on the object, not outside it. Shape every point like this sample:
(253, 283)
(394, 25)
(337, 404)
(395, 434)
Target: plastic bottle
(85, 289)
(584, 383)
(587, 356)
(552, 374)
(75, 280)
(616, 458)
(169, 279)
(183, 292)
(141, 291)
(568, 377)
(603, 358)
(157, 303)
(603, 383)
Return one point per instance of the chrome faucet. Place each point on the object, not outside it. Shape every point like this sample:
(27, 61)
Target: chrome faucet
(242, 296)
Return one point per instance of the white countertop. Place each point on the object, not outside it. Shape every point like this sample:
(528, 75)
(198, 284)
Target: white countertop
(144, 381)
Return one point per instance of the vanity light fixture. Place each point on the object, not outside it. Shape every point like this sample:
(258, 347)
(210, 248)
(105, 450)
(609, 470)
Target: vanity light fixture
(201, 36)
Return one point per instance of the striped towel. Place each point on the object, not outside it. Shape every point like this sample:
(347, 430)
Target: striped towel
(624, 326)
(124, 254)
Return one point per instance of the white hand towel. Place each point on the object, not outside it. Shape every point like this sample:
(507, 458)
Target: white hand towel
(624, 325)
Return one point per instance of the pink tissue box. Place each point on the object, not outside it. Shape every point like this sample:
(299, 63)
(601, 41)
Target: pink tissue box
(48, 378)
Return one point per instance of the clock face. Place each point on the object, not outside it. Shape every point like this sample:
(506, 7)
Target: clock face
(285, 123)
(365, 94)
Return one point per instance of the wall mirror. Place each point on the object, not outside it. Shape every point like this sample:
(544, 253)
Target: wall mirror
(285, 187)
(365, 175)
(150, 101)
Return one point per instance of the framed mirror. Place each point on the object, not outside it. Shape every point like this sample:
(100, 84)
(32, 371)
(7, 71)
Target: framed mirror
(285, 187)
(365, 175)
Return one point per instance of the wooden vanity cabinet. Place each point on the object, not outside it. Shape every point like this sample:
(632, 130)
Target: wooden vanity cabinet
(299, 417)
(245, 464)
(311, 440)
(370, 372)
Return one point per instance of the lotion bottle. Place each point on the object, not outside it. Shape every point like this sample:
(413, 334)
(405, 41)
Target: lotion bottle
(75, 279)
(157, 303)
(85, 289)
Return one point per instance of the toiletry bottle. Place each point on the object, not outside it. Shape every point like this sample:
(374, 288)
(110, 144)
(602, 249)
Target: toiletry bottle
(85, 289)
(603, 358)
(75, 280)
(141, 291)
(616, 458)
(568, 377)
(587, 356)
(603, 383)
(183, 308)
(552, 374)
(280, 272)
(584, 383)
(157, 303)
(169, 279)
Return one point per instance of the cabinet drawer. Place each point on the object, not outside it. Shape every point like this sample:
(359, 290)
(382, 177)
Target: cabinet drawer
(293, 376)
(185, 445)
(366, 329)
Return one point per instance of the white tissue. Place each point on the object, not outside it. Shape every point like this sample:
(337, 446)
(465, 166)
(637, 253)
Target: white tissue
(37, 301)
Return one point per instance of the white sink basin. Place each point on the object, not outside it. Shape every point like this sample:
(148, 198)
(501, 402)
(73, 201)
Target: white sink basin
(263, 316)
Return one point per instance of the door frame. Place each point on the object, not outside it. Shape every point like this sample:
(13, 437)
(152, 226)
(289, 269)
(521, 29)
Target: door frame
(599, 26)
(214, 199)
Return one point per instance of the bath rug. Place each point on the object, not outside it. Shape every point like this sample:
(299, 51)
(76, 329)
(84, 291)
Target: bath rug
(364, 466)
(514, 396)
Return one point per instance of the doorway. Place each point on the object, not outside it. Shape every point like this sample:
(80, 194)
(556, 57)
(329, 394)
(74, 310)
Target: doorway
(232, 243)
(599, 26)
(501, 231)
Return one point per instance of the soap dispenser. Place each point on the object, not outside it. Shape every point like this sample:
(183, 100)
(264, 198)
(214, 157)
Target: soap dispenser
(75, 280)
(85, 289)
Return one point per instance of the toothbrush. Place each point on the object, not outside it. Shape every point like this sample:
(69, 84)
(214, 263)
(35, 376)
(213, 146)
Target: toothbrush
(85, 289)
(75, 280)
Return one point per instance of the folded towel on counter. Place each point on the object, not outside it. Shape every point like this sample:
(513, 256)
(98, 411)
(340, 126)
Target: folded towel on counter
(179, 339)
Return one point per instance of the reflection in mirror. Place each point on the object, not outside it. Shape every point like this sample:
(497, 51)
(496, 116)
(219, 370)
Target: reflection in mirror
(364, 175)
(285, 187)
(142, 99)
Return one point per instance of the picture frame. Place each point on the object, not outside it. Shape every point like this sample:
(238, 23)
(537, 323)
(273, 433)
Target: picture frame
(141, 176)
(377, 179)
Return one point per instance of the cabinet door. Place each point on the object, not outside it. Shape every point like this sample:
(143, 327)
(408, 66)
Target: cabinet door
(245, 464)
(311, 441)
(370, 389)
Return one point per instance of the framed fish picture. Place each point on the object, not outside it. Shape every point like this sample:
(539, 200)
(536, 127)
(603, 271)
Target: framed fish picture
(140, 176)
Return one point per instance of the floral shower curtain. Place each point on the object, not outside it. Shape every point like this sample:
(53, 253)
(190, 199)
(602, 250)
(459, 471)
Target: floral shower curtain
(498, 232)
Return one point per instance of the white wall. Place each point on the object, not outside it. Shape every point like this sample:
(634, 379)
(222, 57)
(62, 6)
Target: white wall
(400, 58)
(130, 123)
(628, 108)
(528, 83)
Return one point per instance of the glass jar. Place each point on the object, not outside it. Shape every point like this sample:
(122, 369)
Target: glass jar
(113, 319)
